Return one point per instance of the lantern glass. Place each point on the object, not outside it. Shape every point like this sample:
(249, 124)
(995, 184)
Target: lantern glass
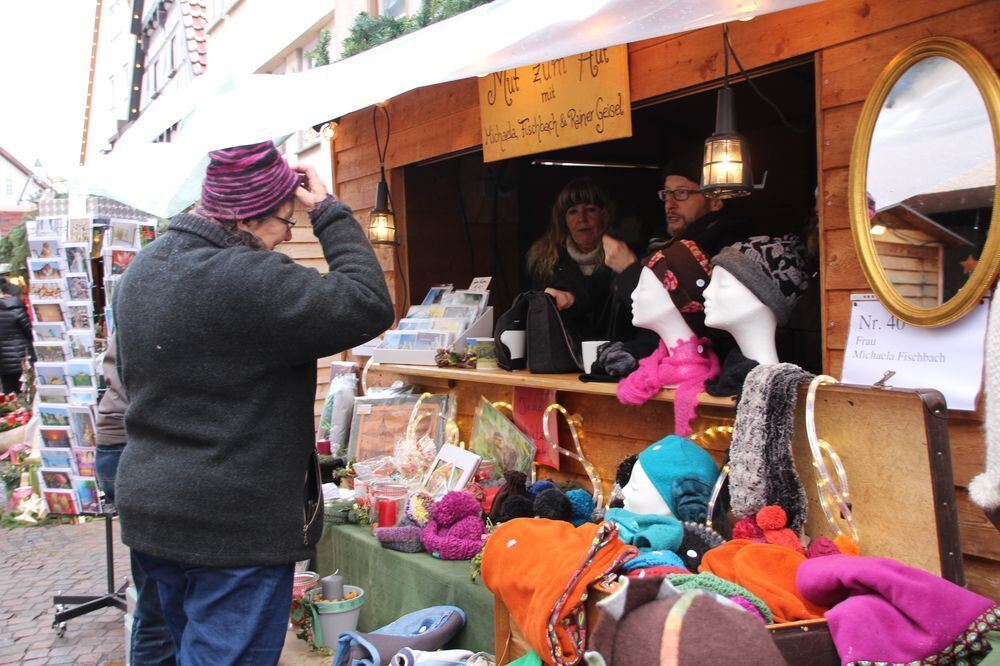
(382, 227)
(725, 169)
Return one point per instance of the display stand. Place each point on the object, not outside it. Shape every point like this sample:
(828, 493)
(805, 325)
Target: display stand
(83, 604)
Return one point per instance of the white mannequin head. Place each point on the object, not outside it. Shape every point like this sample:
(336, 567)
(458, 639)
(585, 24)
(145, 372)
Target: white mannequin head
(731, 306)
(641, 496)
(654, 309)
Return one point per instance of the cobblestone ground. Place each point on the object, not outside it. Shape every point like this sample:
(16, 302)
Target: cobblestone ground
(37, 563)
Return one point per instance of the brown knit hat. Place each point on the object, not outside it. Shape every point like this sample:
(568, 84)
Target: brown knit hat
(647, 621)
(684, 270)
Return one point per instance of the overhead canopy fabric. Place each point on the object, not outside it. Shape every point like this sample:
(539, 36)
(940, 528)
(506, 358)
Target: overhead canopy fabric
(163, 179)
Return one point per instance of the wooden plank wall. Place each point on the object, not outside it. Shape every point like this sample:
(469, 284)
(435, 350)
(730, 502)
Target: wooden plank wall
(851, 40)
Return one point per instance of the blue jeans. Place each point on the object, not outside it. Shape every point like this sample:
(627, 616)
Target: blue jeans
(223, 615)
(151, 644)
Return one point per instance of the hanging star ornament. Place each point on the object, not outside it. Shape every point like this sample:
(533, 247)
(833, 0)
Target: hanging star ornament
(968, 265)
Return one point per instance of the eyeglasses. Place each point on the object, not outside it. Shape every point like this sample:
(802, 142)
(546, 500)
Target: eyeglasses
(290, 221)
(679, 194)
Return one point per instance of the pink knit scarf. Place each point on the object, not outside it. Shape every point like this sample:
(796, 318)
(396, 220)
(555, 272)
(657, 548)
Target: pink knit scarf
(687, 366)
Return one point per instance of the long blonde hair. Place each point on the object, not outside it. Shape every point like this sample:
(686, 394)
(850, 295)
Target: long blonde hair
(544, 252)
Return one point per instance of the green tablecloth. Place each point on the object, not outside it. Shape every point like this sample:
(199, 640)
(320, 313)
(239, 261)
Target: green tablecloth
(399, 583)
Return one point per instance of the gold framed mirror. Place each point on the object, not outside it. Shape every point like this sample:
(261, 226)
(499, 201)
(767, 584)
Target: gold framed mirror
(923, 181)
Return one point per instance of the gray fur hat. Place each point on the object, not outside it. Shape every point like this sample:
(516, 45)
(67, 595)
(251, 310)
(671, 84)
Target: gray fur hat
(772, 267)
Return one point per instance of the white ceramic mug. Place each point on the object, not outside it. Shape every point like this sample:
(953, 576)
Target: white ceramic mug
(590, 353)
(515, 341)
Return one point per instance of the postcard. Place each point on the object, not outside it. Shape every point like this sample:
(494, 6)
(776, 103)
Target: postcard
(81, 344)
(56, 479)
(61, 501)
(77, 259)
(451, 470)
(47, 227)
(496, 438)
(80, 314)
(435, 294)
(477, 299)
(47, 291)
(54, 415)
(56, 395)
(83, 397)
(78, 287)
(45, 269)
(44, 248)
(81, 420)
(50, 331)
(89, 494)
(50, 374)
(147, 234)
(52, 352)
(78, 230)
(81, 374)
(56, 457)
(48, 313)
(120, 260)
(55, 438)
(86, 461)
(97, 240)
(124, 233)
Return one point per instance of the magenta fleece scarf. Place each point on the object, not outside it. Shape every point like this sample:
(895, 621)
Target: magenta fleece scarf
(687, 366)
(888, 613)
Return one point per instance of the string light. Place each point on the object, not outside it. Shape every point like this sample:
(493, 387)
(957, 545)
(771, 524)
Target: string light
(834, 498)
(575, 423)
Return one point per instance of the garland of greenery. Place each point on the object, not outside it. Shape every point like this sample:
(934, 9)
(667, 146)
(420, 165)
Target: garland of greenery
(370, 31)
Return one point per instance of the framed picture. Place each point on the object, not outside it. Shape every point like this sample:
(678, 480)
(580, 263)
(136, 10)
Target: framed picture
(451, 470)
(47, 291)
(44, 248)
(496, 438)
(48, 313)
(80, 314)
(78, 230)
(45, 269)
(81, 344)
(53, 415)
(56, 479)
(51, 374)
(56, 457)
(55, 438)
(377, 423)
(78, 287)
(81, 420)
(120, 260)
(54, 395)
(52, 352)
(89, 494)
(61, 501)
(77, 259)
(49, 331)
(86, 461)
(46, 227)
(81, 374)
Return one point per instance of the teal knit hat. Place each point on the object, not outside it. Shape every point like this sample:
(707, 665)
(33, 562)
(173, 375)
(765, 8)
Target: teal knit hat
(684, 475)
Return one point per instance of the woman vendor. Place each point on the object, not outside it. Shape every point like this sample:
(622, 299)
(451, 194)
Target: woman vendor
(568, 261)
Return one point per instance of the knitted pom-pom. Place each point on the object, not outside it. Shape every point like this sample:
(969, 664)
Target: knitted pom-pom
(583, 506)
(513, 507)
(745, 528)
(539, 486)
(821, 546)
(453, 507)
(772, 518)
(553, 504)
(845, 545)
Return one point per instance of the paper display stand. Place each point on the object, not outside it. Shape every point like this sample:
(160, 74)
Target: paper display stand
(481, 328)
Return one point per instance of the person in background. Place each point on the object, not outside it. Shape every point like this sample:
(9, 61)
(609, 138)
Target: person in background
(15, 337)
(568, 261)
(151, 642)
(218, 337)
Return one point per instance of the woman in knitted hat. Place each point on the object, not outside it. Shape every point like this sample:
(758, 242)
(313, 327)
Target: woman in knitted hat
(218, 339)
(568, 261)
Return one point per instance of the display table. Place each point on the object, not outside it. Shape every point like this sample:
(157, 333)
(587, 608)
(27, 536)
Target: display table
(397, 583)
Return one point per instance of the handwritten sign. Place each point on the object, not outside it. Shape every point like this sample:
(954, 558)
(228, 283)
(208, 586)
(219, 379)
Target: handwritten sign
(948, 358)
(565, 102)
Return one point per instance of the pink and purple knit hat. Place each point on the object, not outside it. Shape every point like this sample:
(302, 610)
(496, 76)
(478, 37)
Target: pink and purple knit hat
(244, 182)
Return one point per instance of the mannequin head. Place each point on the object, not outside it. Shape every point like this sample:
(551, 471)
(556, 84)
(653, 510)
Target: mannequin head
(729, 304)
(640, 495)
(651, 302)
(673, 477)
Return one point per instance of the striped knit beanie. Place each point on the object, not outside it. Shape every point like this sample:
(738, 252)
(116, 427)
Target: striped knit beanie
(244, 182)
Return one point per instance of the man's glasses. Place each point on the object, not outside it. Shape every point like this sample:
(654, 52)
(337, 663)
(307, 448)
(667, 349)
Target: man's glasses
(290, 221)
(679, 194)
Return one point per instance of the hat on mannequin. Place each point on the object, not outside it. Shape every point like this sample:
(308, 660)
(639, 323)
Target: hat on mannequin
(684, 271)
(681, 472)
(772, 267)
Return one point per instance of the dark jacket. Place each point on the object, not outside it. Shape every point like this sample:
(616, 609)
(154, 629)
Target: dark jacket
(111, 408)
(15, 335)
(587, 318)
(217, 353)
(711, 232)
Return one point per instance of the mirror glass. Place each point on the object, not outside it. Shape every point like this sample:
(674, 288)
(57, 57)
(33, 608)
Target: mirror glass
(930, 182)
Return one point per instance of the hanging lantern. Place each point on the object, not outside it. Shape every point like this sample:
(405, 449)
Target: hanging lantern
(726, 172)
(381, 221)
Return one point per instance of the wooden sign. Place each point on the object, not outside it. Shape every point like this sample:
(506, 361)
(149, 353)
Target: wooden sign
(559, 103)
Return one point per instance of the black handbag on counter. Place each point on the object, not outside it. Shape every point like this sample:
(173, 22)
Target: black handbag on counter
(549, 347)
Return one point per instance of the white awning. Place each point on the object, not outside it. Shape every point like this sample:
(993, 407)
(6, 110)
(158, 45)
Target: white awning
(162, 179)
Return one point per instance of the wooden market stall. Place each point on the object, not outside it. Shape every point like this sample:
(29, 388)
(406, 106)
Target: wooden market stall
(844, 45)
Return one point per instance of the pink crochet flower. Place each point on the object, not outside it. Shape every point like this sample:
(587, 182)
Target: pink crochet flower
(687, 366)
